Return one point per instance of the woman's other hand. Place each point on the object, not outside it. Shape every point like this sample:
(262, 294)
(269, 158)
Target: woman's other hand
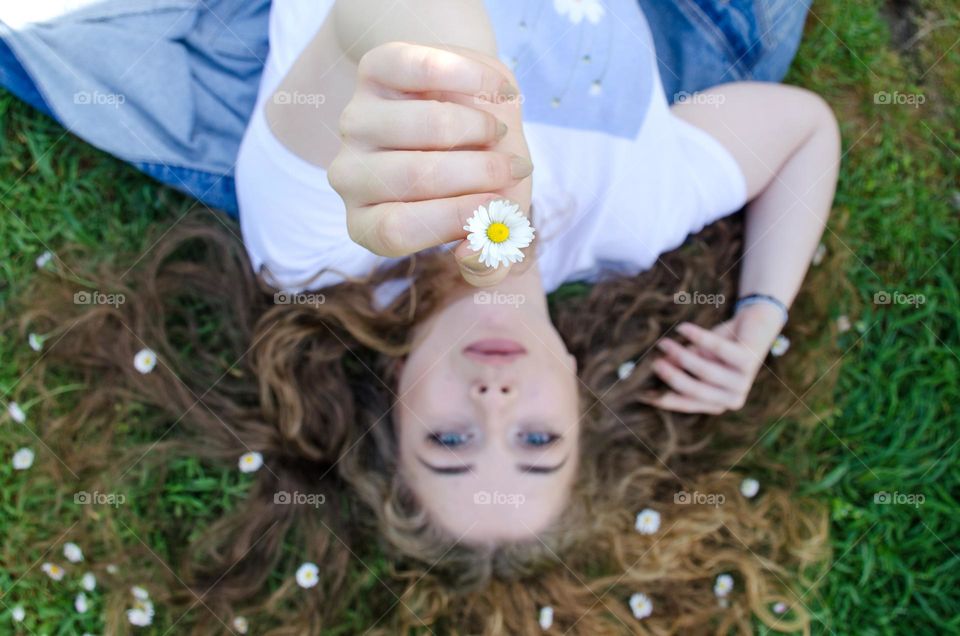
(715, 371)
(429, 135)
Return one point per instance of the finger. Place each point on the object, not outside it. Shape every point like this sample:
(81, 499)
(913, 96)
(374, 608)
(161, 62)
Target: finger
(419, 125)
(712, 372)
(397, 229)
(414, 68)
(684, 384)
(407, 175)
(671, 401)
(476, 273)
(729, 351)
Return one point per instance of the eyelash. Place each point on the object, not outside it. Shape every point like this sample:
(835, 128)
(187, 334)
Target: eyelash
(546, 439)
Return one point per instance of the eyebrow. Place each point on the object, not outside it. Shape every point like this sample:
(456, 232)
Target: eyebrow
(523, 468)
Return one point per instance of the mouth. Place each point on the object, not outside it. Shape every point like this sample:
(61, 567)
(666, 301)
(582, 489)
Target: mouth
(494, 351)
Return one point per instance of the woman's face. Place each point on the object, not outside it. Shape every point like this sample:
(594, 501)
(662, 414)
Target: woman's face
(488, 420)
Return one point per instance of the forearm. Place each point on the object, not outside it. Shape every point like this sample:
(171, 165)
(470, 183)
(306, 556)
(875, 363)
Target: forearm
(364, 24)
(785, 222)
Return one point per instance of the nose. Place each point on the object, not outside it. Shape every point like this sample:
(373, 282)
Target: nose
(493, 392)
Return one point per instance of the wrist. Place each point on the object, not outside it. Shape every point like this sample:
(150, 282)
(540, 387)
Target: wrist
(758, 325)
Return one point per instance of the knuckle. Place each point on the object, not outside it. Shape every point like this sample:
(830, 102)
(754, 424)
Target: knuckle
(348, 121)
(337, 176)
(430, 67)
(388, 233)
(439, 124)
(494, 169)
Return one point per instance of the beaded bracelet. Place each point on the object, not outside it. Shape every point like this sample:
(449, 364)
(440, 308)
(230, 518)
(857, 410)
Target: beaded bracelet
(754, 299)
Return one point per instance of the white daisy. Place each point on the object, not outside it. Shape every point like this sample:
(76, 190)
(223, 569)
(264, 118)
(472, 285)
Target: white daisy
(112, 569)
(780, 607)
(307, 575)
(780, 346)
(53, 570)
(498, 232)
(145, 361)
(140, 616)
(240, 625)
(625, 369)
(819, 253)
(648, 521)
(23, 459)
(749, 487)
(641, 606)
(18, 614)
(843, 324)
(44, 259)
(546, 617)
(140, 593)
(88, 582)
(577, 10)
(35, 341)
(80, 603)
(723, 585)
(250, 462)
(72, 552)
(16, 413)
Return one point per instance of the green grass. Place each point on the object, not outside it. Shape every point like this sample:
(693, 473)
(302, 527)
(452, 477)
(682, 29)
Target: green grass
(890, 425)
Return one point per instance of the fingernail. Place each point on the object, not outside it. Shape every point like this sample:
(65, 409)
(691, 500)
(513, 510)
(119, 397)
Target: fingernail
(520, 167)
(501, 130)
(507, 89)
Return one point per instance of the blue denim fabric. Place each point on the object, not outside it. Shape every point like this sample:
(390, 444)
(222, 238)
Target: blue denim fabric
(702, 43)
(215, 190)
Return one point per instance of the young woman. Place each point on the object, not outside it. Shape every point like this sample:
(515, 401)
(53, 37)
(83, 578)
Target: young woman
(494, 446)
(409, 114)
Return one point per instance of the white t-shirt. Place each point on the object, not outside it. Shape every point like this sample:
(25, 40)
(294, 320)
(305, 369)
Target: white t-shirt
(619, 180)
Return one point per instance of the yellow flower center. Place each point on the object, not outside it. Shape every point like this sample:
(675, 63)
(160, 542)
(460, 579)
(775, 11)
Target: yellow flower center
(498, 232)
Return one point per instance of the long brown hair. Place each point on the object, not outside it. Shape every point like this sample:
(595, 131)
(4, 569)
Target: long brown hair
(310, 386)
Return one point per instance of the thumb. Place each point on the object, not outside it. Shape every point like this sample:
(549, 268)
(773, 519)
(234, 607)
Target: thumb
(475, 272)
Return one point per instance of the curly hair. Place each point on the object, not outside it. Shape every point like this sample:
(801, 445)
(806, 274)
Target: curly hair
(310, 386)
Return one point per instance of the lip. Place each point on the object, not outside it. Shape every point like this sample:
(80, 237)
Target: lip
(494, 351)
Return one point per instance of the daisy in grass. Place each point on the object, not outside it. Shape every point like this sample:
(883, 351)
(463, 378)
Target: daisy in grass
(35, 341)
(641, 606)
(53, 570)
(749, 487)
(648, 521)
(16, 413)
(307, 575)
(546, 617)
(499, 231)
(723, 585)
(241, 625)
(250, 462)
(145, 361)
(780, 346)
(23, 459)
(72, 552)
(18, 614)
(626, 369)
(88, 582)
(141, 614)
(80, 603)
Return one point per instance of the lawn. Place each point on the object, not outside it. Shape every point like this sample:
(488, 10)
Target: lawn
(883, 450)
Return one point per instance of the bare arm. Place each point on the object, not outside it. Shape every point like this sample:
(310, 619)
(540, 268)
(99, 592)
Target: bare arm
(787, 144)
